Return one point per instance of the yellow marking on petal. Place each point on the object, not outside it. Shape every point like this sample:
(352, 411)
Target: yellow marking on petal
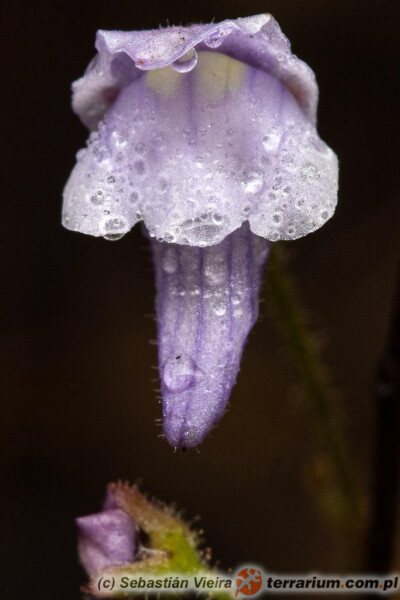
(165, 81)
(216, 74)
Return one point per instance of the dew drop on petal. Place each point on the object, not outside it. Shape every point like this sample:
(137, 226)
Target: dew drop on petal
(169, 260)
(81, 154)
(253, 182)
(113, 227)
(186, 63)
(213, 42)
(236, 298)
(215, 272)
(309, 171)
(220, 309)
(217, 218)
(272, 140)
(215, 39)
(179, 373)
(101, 152)
(97, 198)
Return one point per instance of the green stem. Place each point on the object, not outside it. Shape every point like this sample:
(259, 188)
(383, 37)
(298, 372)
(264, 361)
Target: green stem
(307, 359)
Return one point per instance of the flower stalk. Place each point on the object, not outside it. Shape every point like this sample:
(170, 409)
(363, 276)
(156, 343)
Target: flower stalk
(385, 500)
(314, 379)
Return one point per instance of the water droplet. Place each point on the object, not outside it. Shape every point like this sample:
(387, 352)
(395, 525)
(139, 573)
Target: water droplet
(97, 198)
(220, 309)
(203, 235)
(113, 227)
(309, 171)
(216, 38)
(179, 372)
(81, 154)
(198, 161)
(318, 145)
(272, 140)
(93, 137)
(186, 63)
(215, 270)
(278, 184)
(101, 152)
(253, 182)
(236, 299)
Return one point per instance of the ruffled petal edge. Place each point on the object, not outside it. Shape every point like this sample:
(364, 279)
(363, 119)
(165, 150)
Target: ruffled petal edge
(123, 55)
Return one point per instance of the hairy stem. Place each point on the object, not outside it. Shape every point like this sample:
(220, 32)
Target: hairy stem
(314, 380)
(387, 455)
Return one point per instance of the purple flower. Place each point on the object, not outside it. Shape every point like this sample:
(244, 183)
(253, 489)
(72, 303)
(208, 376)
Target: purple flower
(107, 538)
(109, 544)
(207, 135)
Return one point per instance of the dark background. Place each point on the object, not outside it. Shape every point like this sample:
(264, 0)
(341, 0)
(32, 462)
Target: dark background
(78, 409)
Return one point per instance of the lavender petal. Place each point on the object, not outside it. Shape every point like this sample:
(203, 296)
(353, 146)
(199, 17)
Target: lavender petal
(106, 539)
(257, 41)
(194, 154)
